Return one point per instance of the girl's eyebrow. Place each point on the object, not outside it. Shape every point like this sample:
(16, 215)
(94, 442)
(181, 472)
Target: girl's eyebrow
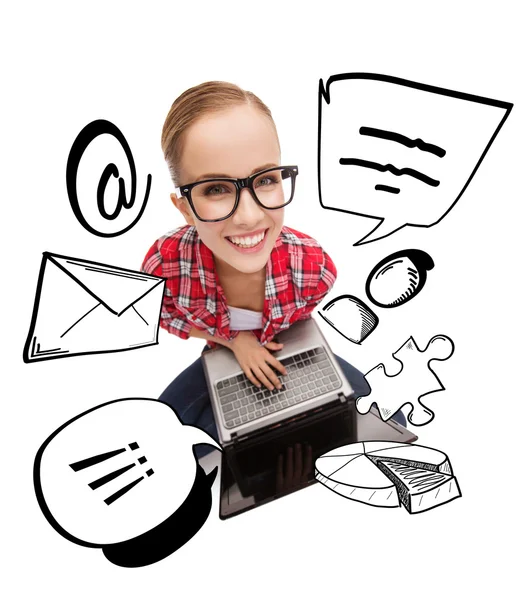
(218, 175)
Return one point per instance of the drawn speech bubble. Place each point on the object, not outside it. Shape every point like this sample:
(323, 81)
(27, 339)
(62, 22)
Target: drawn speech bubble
(399, 151)
(123, 476)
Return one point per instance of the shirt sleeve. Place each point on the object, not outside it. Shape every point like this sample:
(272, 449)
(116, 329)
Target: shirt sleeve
(326, 280)
(172, 317)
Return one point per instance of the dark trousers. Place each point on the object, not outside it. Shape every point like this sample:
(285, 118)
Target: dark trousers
(188, 396)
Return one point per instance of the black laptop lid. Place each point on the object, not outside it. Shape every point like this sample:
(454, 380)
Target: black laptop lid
(282, 462)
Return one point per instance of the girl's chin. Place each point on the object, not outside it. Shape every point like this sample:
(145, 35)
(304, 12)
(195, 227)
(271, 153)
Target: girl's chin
(246, 263)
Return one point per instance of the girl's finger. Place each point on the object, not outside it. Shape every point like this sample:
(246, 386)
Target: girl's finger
(279, 473)
(258, 372)
(273, 345)
(308, 463)
(298, 469)
(272, 360)
(272, 375)
(289, 474)
(251, 377)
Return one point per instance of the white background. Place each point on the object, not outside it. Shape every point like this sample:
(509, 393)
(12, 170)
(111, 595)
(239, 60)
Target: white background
(65, 65)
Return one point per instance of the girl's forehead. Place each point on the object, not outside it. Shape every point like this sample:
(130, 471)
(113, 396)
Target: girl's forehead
(230, 143)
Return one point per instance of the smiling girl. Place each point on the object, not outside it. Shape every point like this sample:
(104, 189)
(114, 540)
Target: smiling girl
(236, 276)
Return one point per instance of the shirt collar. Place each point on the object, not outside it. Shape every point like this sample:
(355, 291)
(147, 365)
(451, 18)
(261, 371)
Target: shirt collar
(276, 269)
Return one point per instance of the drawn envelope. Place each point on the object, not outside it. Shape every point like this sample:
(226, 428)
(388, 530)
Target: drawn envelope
(84, 307)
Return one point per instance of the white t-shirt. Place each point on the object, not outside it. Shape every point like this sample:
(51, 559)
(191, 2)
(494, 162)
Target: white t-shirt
(243, 319)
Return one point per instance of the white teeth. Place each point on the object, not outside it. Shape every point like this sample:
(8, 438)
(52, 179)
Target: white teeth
(247, 241)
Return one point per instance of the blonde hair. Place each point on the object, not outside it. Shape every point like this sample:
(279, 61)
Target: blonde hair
(194, 103)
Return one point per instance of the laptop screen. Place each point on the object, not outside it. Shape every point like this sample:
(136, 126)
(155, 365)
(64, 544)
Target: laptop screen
(283, 461)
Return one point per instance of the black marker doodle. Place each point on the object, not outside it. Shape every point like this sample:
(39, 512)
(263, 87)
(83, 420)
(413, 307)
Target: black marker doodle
(388, 474)
(350, 317)
(123, 477)
(387, 188)
(84, 307)
(398, 278)
(85, 137)
(368, 164)
(399, 151)
(414, 380)
(402, 139)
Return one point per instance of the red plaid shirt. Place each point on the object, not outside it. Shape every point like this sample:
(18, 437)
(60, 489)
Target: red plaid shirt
(298, 276)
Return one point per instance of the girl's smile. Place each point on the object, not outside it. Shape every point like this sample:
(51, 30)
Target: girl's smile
(251, 242)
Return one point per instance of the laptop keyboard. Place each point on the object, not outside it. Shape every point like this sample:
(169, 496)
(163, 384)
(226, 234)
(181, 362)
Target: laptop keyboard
(309, 374)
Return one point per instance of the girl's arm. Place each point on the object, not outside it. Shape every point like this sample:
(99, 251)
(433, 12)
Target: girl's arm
(204, 335)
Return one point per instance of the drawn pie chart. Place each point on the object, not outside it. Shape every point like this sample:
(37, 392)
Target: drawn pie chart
(388, 474)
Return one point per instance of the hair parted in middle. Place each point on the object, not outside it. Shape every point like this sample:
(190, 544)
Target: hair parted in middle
(194, 103)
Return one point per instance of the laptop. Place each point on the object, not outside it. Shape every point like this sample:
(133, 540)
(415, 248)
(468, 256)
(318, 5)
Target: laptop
(314, 380)
(262, 432)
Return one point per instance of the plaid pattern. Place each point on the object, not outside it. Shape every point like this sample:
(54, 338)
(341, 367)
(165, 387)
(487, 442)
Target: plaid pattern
(298, 276)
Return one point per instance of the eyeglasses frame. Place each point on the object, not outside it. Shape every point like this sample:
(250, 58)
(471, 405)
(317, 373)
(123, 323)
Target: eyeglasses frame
(240, 184)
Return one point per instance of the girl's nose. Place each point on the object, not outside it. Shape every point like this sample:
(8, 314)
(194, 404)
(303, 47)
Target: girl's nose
(248, 212)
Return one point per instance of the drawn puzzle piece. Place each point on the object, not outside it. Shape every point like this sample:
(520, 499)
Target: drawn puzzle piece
(415, 380)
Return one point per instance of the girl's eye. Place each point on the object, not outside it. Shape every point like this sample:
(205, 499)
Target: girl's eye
(217, 189)
(266, 180)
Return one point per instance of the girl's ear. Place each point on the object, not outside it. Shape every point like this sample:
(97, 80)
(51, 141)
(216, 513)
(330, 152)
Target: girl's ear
(182, 205)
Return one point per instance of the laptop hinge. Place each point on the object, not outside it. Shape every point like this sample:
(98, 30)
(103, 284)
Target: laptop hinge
(235, 439)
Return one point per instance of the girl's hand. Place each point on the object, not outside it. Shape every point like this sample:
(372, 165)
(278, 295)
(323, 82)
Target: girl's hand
(298, 468)
(255, 360)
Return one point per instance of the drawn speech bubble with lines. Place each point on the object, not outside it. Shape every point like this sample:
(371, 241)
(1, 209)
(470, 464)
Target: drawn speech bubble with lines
(123, 477)
(399, 151)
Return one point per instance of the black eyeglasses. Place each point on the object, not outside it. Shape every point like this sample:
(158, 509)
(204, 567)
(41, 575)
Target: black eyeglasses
(215, 200)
